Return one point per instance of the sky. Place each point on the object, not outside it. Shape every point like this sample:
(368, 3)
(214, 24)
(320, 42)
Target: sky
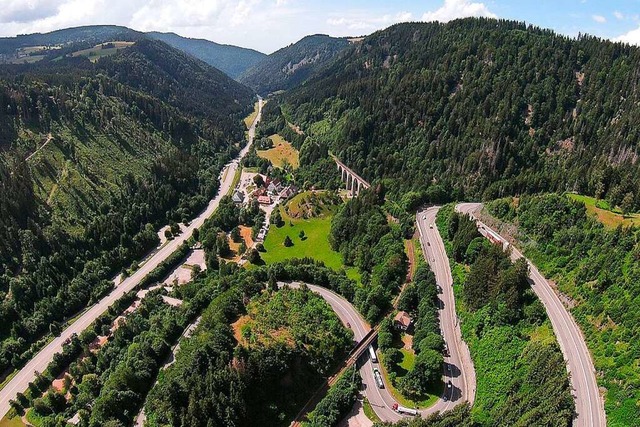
(267, 25)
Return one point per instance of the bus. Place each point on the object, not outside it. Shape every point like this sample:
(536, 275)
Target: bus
(372, 353)
(378, 378)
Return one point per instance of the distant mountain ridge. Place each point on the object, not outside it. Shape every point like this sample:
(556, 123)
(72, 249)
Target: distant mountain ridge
(230, 59)
(91, 34)
(294, 64)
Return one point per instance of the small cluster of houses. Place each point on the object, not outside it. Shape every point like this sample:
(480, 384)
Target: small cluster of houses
(268, 196)
(272, 190)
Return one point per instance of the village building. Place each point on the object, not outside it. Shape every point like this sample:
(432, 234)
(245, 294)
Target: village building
(402, 321)
(264, 200)
(238, 197)
(288, 192)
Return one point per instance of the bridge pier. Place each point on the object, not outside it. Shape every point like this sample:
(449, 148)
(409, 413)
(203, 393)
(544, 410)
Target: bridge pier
(353, 183)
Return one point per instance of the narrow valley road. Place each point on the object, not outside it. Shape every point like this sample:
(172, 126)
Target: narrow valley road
(589, 403)
(40, 361)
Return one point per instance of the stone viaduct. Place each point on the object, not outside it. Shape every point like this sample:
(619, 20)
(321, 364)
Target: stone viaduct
(353, 181)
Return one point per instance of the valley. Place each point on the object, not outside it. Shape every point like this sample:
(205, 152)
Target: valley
(430, 225)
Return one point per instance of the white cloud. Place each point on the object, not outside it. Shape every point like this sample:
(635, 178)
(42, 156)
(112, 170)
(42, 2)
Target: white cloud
(27, 11)
(632, 37)
(599, 19)
(362, 22)
(618, 15)
(454, 9)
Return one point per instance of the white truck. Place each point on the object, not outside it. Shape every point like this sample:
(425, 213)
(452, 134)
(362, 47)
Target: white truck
(372, 354)
(402, 410)
(378, 378)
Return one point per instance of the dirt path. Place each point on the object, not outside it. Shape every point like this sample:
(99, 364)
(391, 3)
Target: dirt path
(410, 249)
(49, 138)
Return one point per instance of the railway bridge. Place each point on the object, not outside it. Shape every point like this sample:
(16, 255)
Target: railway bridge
(353, 181)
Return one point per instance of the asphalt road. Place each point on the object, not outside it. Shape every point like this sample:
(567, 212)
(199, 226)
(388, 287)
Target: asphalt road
(458, 366)
(589, 403)
(21, 380)
(458, 363)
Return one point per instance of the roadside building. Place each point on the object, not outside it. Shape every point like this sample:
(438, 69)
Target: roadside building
(402, 321)
(238, 197)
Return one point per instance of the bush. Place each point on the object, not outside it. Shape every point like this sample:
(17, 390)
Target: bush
(287, 242)
(254, 257)
(338, 401)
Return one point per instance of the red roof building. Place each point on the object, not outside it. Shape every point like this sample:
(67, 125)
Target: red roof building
(264, 200)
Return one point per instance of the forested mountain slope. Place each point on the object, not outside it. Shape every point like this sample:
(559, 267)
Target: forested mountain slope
(292, 65)
(233, 60)
(91, 157)
(479, 108)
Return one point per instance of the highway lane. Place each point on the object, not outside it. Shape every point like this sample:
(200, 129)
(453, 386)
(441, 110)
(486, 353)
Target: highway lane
(40, 361)
(459, 367)
(461, 372)
(589, 403)
(458, 364)
(380, 399)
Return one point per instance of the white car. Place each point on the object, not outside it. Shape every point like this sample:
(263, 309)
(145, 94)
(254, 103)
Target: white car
(424, 217)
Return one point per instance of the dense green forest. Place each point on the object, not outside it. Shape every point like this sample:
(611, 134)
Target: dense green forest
(521, 373)
(361, 233)
(293, 64)
(93, 157)
(478, 108)
(232, 60)
(599, 270)
(254, 359)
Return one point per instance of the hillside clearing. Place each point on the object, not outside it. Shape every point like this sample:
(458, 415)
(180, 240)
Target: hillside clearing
(602, 211)
(281, 152)
(314, 245)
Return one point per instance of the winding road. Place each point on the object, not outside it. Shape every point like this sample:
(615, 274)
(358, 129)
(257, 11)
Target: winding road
(458, 366)
(40, 361)
(589, 403)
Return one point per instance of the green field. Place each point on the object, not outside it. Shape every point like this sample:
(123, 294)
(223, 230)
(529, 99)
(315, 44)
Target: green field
(315, 245)
(606, 215)
(408, 359)
(98, 51)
